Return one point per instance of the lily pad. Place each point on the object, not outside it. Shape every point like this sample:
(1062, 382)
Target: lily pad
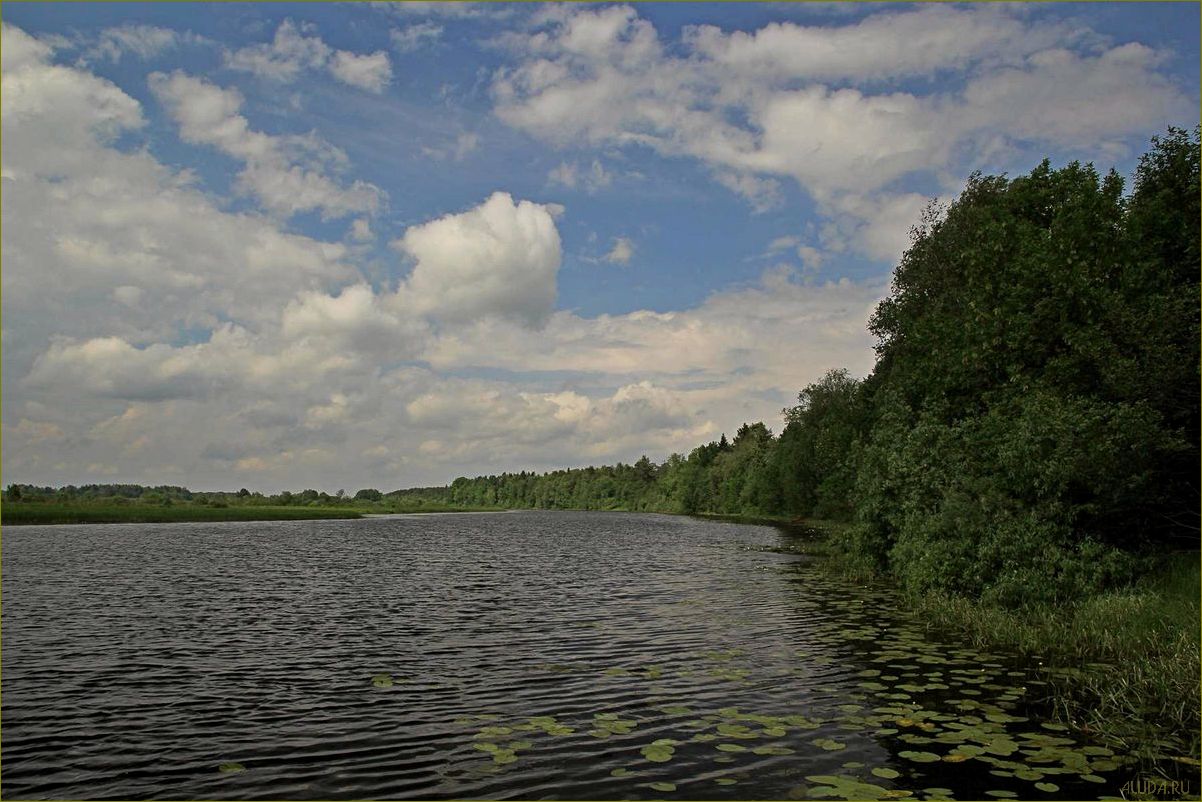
(726, 781)
(658, 754)
(919, 757)
(772, 750)
(731, 748)
(620, 772)
(829, 744)
(230, 768)
(662, 786)
(1002, 794)
(382, 680)
(1049, 788)
(886, 773)
(504, 756)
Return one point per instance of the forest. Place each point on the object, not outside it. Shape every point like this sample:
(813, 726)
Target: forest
(1029, 433)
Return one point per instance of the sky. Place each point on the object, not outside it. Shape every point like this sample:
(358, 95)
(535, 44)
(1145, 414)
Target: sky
(383, 245)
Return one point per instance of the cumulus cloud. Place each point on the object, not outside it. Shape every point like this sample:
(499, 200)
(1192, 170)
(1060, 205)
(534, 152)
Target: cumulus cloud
(296, 48)
(208, 115)
(621, 252)
(500, 259)
(371, 72)
(777, 102)
(356, 320)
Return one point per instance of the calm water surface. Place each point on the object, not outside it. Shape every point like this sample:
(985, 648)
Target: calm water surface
(510, 655)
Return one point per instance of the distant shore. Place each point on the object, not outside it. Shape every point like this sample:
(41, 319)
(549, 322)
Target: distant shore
(44, 513)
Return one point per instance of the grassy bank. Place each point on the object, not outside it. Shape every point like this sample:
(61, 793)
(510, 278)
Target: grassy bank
(1122, 665)
(100, 513)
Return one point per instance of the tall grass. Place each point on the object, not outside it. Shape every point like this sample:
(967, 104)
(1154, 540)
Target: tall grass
(1124, 665)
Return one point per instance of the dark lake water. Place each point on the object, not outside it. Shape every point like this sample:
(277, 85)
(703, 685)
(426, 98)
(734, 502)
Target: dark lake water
(511, 655)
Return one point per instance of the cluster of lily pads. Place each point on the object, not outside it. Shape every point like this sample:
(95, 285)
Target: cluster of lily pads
(931, 705)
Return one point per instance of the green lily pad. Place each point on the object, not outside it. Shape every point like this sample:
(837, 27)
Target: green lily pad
(1002, 794)
(662, 786)
(1049, 788)
(919, 757)
(1093, 778)
(658, 754)
(886, 773)
(731, 748)
(382, 680)
(504, 756)
(230, 768)
(486, 746)
(772, 750)
(829, 744)
(726, 781)
(620, 772)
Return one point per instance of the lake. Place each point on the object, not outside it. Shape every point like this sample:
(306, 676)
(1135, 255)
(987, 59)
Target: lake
(523, 655)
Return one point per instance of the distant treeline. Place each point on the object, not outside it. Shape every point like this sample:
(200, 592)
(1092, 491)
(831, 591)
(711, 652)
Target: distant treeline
(171, 494)
(1030, 431)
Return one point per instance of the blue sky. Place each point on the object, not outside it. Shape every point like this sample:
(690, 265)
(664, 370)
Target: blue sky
(383, 245)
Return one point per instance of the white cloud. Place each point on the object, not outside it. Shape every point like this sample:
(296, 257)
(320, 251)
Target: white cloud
(764, 194)
(208, 115)
(361, 230)
(621, 252)
(143, 41)
(465, 144)
(296, 48)
(564, 174)
(356, 320)
(592, 179)
(19, 49)
(371, 72)
(283, 59)
(414, 37)
(500, 258)
(919, 41)
(775, 102)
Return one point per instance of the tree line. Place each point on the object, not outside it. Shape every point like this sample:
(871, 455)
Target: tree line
(1030, 430)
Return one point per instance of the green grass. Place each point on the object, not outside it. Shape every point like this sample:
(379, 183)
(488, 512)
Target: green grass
(96, 513)
(1142, 691)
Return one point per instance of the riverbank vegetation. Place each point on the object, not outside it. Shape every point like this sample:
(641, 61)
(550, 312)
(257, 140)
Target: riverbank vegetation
(128, 503)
